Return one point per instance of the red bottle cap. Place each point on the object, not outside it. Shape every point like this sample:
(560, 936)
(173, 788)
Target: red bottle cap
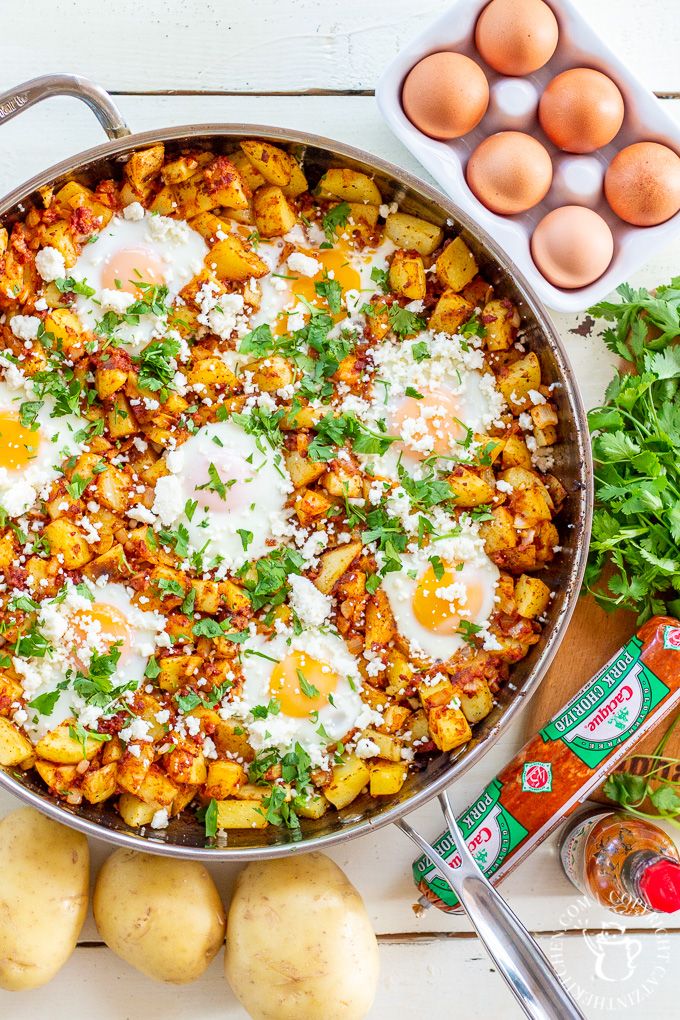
(660, 885)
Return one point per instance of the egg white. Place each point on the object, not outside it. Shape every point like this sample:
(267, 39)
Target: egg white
(55, 438)
(58, 622)
(173, 243)
(400, 588)
(282, 731)
(257, 486)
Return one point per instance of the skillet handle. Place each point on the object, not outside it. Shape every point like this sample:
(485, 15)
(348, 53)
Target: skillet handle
(34, 91)
(527, 971)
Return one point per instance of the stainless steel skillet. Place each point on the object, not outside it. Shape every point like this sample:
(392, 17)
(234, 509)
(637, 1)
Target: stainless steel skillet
(184, 837)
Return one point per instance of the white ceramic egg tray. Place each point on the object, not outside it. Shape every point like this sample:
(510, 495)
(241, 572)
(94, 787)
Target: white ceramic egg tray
(577, 180)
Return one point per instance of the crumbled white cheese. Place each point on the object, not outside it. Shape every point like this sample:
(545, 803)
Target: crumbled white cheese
(24, 327)
(50, 264)
(134, 211)
(160, 819)
(311, 605)
(117, 301)
(298, 262)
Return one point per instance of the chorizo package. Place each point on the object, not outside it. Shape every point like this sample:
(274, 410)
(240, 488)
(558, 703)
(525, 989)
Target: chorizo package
(568, 759)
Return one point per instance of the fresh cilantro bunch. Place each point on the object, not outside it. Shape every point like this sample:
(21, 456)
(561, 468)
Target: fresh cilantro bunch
(636, 451)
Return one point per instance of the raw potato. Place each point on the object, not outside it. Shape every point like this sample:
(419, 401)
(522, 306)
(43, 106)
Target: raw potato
(300, 945)
(44, 883)
(163, 917)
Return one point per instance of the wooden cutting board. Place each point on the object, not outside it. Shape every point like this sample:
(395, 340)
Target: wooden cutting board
(592, 638)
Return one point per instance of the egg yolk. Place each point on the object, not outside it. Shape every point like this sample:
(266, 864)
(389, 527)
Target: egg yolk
(125, 269)
(443, 615)
(112, 630)
(298, 673)
(430, 424)
(18, 444)
(334, 261)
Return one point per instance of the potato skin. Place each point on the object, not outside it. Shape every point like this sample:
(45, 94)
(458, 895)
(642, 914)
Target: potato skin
(299, 942)
(163, 917)
(44, 887)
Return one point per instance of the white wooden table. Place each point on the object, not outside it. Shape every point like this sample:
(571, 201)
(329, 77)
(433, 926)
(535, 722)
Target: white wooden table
(312, 64)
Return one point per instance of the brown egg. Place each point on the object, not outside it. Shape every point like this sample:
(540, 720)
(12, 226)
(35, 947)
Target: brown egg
(581, 110)
(445, 95)
(509, 172)
(516, 36)
(572, 246)
(642, 183)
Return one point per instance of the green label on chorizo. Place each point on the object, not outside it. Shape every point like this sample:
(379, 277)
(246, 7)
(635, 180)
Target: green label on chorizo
(490, 832)
(609, 709)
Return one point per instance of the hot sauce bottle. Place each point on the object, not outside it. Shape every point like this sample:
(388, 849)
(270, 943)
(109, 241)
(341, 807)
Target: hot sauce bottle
(625, 863)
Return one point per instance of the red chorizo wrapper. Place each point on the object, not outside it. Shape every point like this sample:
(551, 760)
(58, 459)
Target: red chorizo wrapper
(568, 759)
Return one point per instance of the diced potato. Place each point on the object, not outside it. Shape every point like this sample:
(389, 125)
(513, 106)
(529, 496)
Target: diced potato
(387, 778)
(394, 718)
(468, 488)
(109, 380)
(76, 196)
(272, 163)
(311, 504)
(334, 563)
(213, 377)
(14, 746)
(209, 226)
(302, 418)
(530, 506)
(349, 186)
(113, 564)
(298, 182)
(348, 781)
(176, 670)
(186, 765)
(113, 489)
(177, 170)
(249, 791)
(136, 812)
(516, 453)
(207, 596)
(501, 322)
(157, 788)
(235, 598)
(249, 174)
(456, 265)
(240, 814)
(184, 796)
(271, 373)
(119, 417)
(9, 550)
(407, 275)
(231, 739)
(58, 235)
(399, 671)
(450, 312)
(234, 259)
(311, 806)
(302, 470)
(515, 381)
(60, 747)
(412, 233)
(449, 728)
(99, 784)
(436, 695)
(143, 165)
(388, 747)
(342, 481)
(223, 778)
(499, 533)
(380, 628)
(65, 327)
(10, 691)
(477, 706)
(66, 539)
(59, 778)
(531, 596)
(132, 769)
(273, 214)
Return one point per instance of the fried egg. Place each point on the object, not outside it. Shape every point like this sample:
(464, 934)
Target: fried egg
(84, 622)
(438, 592)
(308, 685)
(128, 256)
(32, 448)
(289, 286)
(432, 394)
(228, 488)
